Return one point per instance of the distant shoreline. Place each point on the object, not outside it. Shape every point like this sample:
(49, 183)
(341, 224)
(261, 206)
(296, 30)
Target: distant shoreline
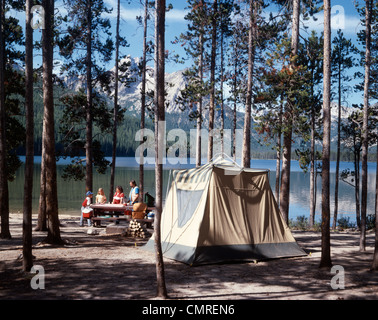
(171, 163)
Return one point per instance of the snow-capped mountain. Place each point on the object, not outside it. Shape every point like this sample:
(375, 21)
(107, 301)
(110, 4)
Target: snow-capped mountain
(345, 113)
(176, 115)
(130, 96)
(130, 99)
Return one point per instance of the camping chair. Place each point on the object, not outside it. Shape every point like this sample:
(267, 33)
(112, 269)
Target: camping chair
(139, 210)
(149, 200)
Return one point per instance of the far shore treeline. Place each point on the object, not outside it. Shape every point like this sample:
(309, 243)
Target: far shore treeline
(126, 144)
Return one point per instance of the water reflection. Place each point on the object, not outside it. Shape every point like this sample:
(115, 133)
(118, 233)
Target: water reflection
(72, 193)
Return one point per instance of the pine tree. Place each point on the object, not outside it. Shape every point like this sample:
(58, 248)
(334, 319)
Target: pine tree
(374, 95)
(294, 8)
(246, 152)
(194, 42)
(341, 62)
(143, 95)
(325, 261)
(311, 57)
(29, 161)
(236, 73)
(85, 32)
(375, 256)
(213, 56)
(12, 89)
(283, 83)
(226, 9)
(368, 41)
(159, 139)
(265, 33)
(4, 199)
(51, 192)
(14, 86)
(365, 125)
(287, 120)
(352, 139)
(115, 107)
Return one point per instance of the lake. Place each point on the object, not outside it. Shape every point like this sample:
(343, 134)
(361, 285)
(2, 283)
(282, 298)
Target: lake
(72, 193)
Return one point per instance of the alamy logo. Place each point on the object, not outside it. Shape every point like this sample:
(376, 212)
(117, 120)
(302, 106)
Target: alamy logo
(338, 17)
(338, 281)
(38, 281)
(179, 145)
(38, 20)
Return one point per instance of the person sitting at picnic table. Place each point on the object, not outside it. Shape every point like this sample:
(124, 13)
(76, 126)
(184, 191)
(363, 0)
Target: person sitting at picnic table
(86, 210)
(134, 192)
(118, 196)
(100, 197)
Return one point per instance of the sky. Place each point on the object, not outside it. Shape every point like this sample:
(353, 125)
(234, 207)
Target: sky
(175, 25)
(344, 16)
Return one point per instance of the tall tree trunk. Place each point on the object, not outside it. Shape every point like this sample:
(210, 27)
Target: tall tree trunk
(286, 167)
(338, 150)
(246, 153)
(312, 171)
(53, 235)
(159, 139)
(357, 186)
(278, 153)
(365, 142)
(29, 160)
(235, 83)
(199, 119)
(221, 89)
(89, 116)
(212, 79)
(42, 218)
(115, 110)
(143, 98)
(278, 167)
(325, 261)
(288, 122)
(4, 196)
(375, 257)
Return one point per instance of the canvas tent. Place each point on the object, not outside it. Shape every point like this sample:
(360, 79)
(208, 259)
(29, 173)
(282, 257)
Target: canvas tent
(221, 212)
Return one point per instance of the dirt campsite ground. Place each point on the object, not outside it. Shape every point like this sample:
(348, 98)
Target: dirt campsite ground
(115, 267)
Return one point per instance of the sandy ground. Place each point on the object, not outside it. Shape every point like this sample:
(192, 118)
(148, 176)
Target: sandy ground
(115, 267)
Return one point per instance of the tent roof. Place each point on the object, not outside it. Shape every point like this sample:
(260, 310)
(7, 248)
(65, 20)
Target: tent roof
(201, 174)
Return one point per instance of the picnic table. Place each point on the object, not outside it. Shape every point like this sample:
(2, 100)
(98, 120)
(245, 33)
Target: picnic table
(114, 212)
(109, 209)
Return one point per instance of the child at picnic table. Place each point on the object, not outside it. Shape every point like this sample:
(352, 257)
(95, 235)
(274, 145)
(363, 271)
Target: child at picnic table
(100, 197)
(118, 196)
(86, 210)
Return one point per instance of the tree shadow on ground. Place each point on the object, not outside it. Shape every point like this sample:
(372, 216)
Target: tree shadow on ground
(116, 268)
(81, 279)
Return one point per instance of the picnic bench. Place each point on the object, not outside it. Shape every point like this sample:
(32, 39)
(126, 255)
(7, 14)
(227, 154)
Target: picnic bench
(97, 220)
(115, 213)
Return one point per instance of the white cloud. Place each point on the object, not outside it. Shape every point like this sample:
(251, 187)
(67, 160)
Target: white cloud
(176, 15)
(347, 23)
(130, 14)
